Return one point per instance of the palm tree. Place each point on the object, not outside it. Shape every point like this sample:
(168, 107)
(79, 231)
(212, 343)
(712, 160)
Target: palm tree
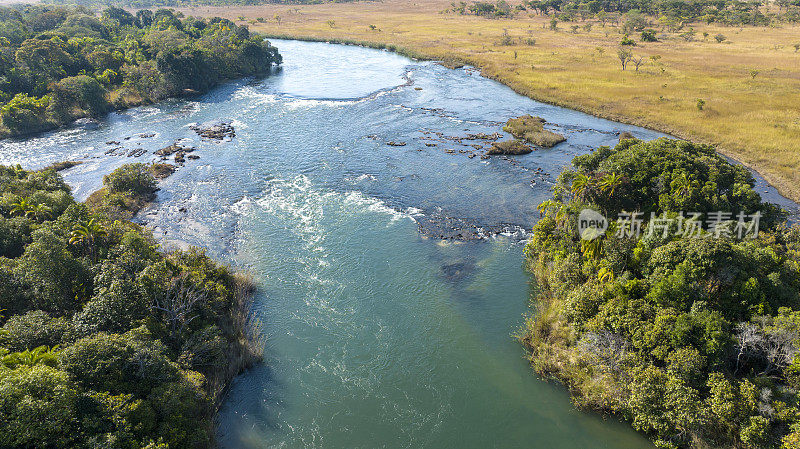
(581, 186)
(547, 207)
(19, 172)
(605, 275)
(42, 355)
(23, 207)
(610, 182)
(592, 248)
(681, 185)
(42, 211)
(86, 234)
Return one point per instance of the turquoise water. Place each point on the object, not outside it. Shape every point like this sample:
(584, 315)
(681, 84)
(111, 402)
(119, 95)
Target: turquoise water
(379, 334)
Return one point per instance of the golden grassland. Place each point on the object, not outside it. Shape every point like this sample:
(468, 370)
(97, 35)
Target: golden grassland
(750, 83)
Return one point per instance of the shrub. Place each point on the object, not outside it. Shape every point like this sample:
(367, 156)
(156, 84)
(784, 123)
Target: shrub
(37, 404)
(627, 41)
(531, 130)
(25, 114)
(57, 280)
(33, 329)
(649, 36)
(136, 179)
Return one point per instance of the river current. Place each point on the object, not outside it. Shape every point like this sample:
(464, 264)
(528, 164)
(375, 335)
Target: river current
(379, 333)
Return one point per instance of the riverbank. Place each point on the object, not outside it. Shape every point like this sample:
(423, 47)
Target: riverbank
(680, 331)
(751, 118)
(128, 61)
(105, 336)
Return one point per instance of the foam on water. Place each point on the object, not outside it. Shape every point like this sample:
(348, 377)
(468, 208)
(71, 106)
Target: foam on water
(376, 335)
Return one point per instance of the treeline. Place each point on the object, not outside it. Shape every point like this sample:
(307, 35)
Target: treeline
(105, 340)
(139, 4)
(62, 63)
(692, 336)
(724, 12)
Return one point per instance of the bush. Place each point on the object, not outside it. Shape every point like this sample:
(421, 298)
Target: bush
(37, 404)
(135, 179)
(649, 36)
(56, 279)
(25, 114)
(627, 41)
(104, 362)
(78, 96)
(33, 329)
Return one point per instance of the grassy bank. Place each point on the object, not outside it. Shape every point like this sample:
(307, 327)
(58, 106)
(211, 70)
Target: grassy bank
(750, 83)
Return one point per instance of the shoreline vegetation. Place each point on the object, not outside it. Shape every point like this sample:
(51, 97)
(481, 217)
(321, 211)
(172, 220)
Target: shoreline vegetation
(107, 340)
(728, 82)
(693, 337)
(59, 64)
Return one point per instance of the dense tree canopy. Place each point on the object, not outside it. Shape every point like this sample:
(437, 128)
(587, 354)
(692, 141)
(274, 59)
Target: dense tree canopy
(694, 337)
(106, 341)
(61, 63)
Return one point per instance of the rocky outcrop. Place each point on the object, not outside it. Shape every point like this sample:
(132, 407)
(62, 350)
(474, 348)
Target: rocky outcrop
(531, 130)
(219, 131)
(512, 147)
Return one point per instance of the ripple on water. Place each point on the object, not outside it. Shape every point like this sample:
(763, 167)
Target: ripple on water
(376, 336)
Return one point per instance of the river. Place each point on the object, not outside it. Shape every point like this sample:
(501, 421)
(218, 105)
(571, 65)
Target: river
(379, 333)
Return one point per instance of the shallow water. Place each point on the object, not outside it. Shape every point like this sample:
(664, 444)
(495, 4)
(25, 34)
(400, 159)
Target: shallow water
(377, 335)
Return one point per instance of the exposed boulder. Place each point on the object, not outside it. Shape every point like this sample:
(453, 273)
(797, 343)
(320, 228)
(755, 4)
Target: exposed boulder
(219, 131)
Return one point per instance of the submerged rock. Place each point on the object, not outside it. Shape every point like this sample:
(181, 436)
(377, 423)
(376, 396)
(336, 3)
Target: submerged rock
(457, 270)
(484, 136)
(531, 130)
(441, 226)
(395, 144)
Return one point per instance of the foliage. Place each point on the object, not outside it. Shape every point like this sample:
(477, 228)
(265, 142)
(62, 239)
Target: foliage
(673, 13)
(62, 63)
(491, 10)
(105, 340)
(695, 340)
(133, 178)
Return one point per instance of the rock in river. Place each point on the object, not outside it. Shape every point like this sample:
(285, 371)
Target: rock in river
(219, 131)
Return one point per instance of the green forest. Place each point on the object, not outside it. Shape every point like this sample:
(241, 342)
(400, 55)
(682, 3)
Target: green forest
(106, 340)
(692, 337)
(58, 64)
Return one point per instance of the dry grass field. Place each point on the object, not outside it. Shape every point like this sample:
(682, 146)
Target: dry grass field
(750, 83)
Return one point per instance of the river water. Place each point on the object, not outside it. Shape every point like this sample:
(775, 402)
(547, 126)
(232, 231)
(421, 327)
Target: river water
(379, 333)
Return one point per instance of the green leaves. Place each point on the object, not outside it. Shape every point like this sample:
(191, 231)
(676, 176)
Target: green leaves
(106, 341)
(61, 63)
(708, 326)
